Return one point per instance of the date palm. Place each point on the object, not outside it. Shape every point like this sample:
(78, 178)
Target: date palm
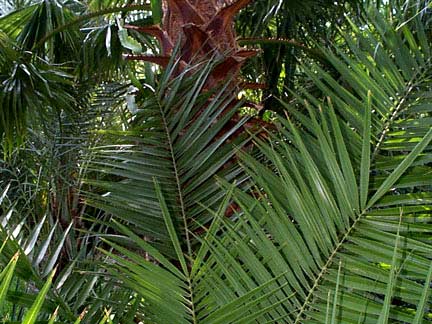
(331, 215)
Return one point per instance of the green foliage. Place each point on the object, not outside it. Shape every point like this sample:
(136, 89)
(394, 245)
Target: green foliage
(28, 87)
(45, 57)
(184, 140)
(155, 205)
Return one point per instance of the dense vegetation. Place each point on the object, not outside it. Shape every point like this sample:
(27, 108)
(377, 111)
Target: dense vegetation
(165, 174)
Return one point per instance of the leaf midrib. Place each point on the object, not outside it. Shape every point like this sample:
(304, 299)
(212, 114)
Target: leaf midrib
(399, 107)
(330, 260)
(183, 211)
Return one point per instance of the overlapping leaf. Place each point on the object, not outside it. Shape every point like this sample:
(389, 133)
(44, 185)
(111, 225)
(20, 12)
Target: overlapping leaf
(353, 225)
(181, 135)
(213, 287)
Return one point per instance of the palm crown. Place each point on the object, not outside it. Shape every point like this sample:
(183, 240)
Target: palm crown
(149, 198)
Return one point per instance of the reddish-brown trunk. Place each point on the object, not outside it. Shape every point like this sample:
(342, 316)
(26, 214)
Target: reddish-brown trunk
(204, 28)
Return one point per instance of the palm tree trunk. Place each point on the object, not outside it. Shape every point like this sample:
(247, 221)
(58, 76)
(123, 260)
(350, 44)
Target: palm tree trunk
(205, 30)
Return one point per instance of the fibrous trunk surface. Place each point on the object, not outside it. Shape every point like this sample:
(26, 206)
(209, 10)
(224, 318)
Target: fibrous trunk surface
(204, 29)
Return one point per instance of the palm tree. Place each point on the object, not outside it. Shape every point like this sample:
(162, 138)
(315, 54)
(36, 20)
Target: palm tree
(172, 209)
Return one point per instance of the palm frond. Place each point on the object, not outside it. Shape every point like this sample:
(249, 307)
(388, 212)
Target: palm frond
(395, 67)
(355, 233)
(183, 139)
(316, 214)
(28, 87)
(34, 311)
(30, 290)
(211, 290)
(325, 219)
(41, 206)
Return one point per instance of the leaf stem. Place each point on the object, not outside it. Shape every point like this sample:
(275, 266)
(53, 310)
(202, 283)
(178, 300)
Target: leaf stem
(324, 269)
(182, 207)
(396, 111)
